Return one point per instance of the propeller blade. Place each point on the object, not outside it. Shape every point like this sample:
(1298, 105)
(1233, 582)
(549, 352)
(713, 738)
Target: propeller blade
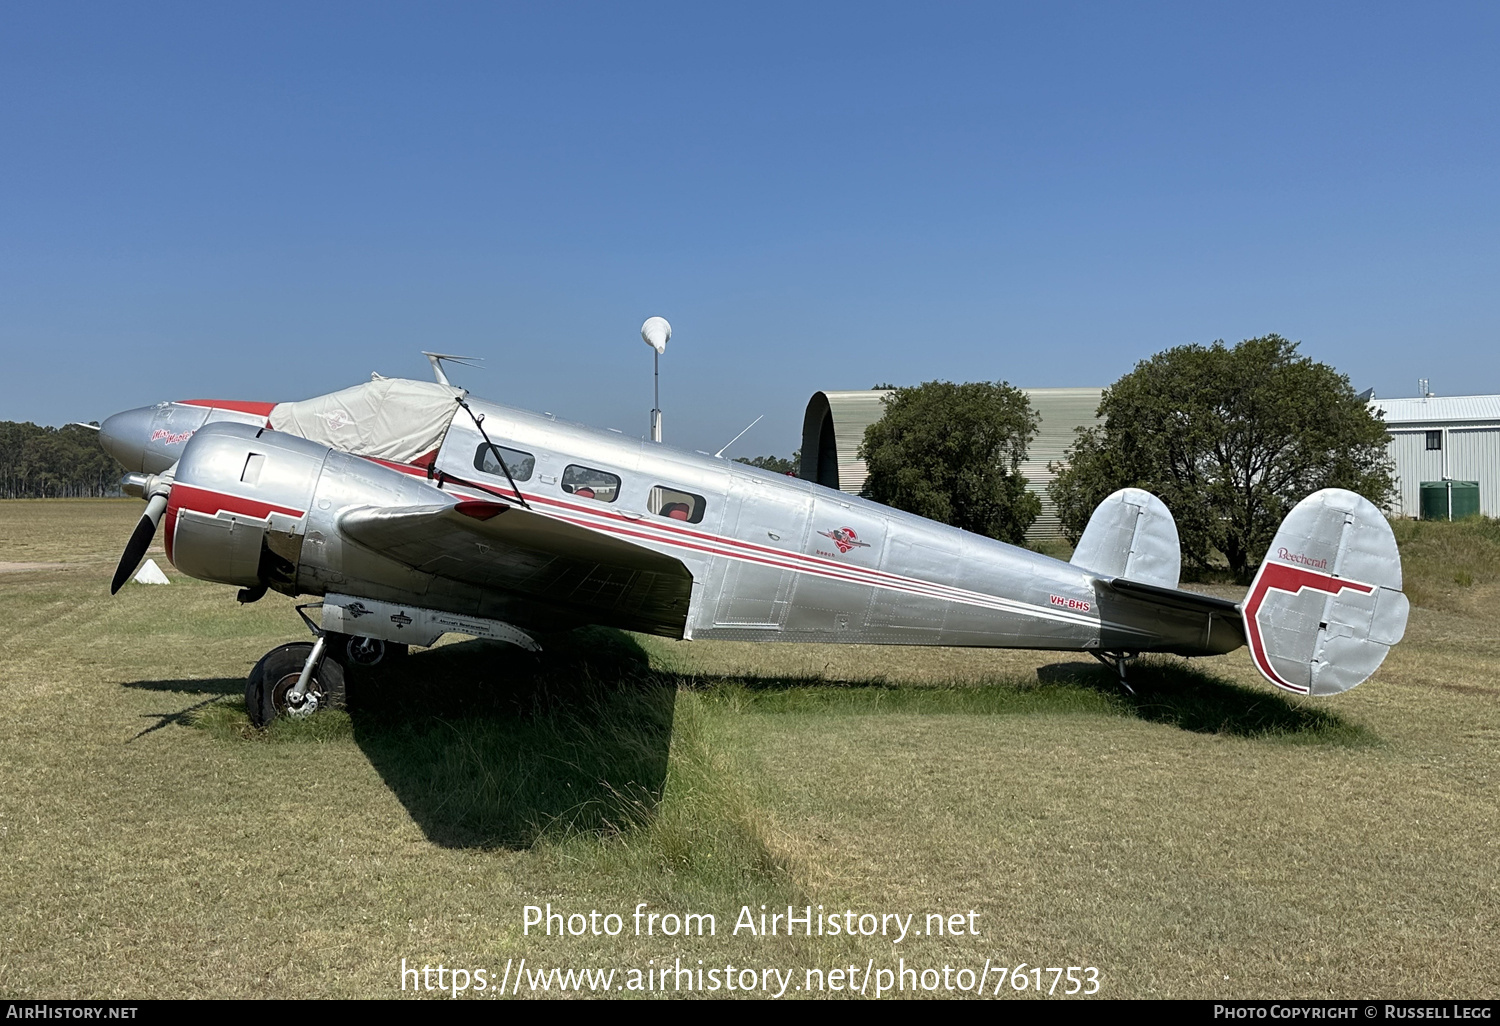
(140, 541)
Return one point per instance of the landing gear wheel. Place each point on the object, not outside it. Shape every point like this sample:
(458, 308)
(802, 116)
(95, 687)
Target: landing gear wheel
(277, 673)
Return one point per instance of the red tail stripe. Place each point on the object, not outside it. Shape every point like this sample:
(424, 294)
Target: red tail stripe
(1292, 580)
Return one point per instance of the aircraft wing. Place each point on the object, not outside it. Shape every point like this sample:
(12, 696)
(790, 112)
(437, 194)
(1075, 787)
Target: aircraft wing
(1202, 624)
(557, 573)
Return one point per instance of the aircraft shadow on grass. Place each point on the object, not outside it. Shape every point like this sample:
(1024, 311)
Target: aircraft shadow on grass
(1176, 694)
(1165, 691)
(487, 746)
(214, 688)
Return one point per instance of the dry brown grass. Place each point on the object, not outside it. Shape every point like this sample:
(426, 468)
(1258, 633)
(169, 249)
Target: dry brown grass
(1212, 839)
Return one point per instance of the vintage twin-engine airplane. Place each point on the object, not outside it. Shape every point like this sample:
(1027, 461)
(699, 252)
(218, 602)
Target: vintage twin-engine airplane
(414, 510)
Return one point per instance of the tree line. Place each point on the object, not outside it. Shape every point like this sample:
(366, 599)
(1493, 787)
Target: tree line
(54, 463)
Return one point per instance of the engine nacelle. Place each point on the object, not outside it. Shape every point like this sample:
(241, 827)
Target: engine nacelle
(250, 506)
(237, 510)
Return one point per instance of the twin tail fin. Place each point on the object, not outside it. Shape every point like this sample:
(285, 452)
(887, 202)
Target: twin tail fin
(1326, 605)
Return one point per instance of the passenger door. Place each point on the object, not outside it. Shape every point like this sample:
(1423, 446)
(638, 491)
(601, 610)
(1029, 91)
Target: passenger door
(766, 520)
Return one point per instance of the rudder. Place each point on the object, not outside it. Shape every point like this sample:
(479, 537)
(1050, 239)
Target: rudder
(1326, 604)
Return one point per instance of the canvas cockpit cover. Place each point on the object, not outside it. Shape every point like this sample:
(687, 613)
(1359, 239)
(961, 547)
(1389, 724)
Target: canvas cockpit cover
(389, 418)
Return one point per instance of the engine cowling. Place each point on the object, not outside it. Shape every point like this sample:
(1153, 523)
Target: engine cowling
(239, 503)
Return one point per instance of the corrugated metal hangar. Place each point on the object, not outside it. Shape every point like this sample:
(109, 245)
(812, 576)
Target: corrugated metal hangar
(1443, 438)
(834, 426)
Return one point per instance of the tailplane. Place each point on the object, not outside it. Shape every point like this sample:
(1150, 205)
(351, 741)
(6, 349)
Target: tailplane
(1326, 604)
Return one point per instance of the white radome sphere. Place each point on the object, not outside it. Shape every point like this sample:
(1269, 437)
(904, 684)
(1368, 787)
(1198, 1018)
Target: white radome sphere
(656, 333)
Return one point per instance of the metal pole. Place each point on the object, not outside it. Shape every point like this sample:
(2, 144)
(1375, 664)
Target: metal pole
(1446, 478)
(656, 396)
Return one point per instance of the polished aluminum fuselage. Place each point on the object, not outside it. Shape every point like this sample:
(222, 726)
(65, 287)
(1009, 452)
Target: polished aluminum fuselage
(767, 563)
(773, 558)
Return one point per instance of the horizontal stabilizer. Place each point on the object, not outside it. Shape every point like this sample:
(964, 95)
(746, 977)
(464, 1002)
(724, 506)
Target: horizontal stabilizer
(1173, 597)
(1214, 624)
(1326, 604)
(1131, 535)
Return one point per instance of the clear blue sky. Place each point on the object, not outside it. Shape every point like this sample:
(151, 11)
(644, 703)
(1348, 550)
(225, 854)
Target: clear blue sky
(263, 201)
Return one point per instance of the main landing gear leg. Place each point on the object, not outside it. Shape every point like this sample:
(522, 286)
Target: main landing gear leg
(295, 680)
(1118, 661)
(299, 701)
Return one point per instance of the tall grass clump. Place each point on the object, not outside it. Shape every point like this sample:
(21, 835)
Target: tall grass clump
(1450, 565)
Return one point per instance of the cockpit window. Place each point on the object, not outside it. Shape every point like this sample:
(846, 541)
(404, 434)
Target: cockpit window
(520, 464)
(587, 483)
(675, 505)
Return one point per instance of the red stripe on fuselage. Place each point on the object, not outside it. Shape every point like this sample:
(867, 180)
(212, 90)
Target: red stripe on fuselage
(670, 533)
(801, 561)
(713, 544)
(237, 405)
(1292, 580)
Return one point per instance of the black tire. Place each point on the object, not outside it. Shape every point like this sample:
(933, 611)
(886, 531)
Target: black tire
(277, 672)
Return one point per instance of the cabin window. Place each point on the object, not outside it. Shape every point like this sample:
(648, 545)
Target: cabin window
(675, 505)
(520, 464)
(588, 483)
(1434, 440)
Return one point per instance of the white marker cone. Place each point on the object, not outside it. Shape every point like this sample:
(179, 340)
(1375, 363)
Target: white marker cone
(150, 574)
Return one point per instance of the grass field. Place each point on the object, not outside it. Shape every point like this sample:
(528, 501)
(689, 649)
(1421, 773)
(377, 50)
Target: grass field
(1210, 838)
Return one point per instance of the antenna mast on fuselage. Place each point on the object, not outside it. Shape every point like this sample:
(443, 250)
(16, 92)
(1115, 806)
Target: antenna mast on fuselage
(436, 359)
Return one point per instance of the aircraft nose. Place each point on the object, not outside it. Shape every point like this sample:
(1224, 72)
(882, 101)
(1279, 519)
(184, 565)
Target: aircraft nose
(126, 435)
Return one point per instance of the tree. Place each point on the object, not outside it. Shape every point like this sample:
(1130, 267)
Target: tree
(775, 464)
(47, 462)
(1230, 439)
(953, 453)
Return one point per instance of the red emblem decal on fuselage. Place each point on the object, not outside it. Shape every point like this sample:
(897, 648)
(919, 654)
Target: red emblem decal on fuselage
(845, 538)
